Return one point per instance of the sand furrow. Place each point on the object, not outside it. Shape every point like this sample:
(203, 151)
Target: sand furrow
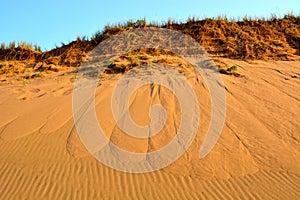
(281, 182)
(241, 191)
(244, 185)
(209, 187)
(13, 176)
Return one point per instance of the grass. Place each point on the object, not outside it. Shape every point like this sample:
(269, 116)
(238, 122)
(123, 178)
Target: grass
(130, 60)
(3, 47)
(24, 82)
(22, 45)
(237, 38)
(111, 29)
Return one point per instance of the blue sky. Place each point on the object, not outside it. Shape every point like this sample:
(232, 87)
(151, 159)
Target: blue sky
(48, 23)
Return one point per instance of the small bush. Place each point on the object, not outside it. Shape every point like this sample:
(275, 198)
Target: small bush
(36, 75)
(12, 45)
(232, 68)
(24, 45)
(37, 48)
(141, 23)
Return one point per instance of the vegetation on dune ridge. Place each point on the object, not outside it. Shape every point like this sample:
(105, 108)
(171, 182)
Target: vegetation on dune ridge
(273, 38)
(21, 45)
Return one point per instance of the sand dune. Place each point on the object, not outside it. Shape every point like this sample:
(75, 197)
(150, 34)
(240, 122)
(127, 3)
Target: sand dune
(257, 156)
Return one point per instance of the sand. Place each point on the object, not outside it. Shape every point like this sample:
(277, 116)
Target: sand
(257, 156)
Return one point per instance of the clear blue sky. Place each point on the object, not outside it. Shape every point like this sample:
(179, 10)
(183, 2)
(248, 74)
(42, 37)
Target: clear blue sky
(51, 22)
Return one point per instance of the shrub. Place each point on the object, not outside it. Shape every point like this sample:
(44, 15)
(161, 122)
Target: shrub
(37, 48)
(12, 45)
(232, 68)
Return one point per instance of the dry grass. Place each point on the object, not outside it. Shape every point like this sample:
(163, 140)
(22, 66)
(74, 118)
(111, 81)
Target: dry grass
(263, 39)
(133, 59)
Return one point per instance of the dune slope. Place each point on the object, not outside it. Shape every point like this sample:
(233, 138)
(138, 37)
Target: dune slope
(257, 156)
